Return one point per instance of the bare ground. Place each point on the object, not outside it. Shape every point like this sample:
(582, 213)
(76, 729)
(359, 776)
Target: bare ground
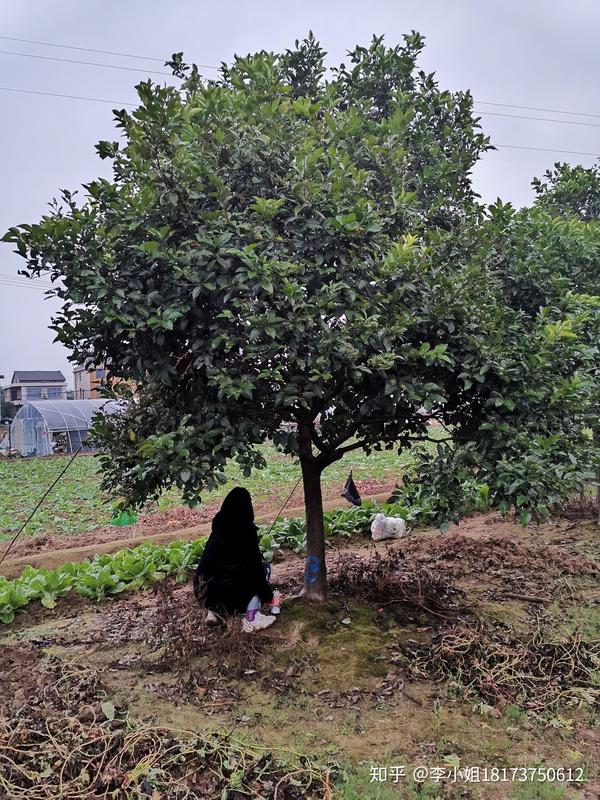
(336, 682)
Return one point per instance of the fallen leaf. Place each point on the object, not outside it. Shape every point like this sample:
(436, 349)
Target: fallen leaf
(108, 710)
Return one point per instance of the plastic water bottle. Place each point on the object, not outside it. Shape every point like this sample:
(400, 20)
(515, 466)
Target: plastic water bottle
(275, 602)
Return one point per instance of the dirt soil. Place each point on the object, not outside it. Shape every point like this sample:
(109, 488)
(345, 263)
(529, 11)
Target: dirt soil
(335, 682)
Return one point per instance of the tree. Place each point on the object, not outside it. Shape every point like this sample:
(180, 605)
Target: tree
(573, 193)
(537, 442)
(570, 191)
(8, 409)
(279, 248)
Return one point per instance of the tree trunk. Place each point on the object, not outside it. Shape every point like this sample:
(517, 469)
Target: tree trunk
(597, 443)
(315, 573)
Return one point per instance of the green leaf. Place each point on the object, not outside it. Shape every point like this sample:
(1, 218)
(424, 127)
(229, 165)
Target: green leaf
(108, 710)
(525, 518)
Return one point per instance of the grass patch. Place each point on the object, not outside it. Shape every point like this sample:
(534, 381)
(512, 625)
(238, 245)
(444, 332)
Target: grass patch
(538, 791)
(344, 640)
(582, 620)
(360, 787)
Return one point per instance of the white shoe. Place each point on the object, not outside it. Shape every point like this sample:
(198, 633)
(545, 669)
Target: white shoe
(259, 622)
(211, 618)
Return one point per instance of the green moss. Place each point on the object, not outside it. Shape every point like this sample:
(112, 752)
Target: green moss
(360, 787)
(515, 714)
(342, 639)
(511, 613)
(583, 619)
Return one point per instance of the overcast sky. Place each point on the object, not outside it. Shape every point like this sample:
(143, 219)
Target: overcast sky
(540, 53)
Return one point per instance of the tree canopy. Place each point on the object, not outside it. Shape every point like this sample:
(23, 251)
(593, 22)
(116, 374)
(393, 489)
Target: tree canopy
(570, 190)
(280, 247)
(573, 192)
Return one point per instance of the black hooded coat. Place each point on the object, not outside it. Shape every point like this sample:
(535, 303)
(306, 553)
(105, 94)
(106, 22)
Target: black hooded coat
(231, 569)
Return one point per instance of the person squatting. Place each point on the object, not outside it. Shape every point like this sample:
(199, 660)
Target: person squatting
(232, 578)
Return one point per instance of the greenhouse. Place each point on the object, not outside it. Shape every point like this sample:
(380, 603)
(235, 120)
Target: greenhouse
(47, 427)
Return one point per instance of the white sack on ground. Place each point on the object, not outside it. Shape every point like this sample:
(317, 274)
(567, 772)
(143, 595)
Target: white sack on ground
(384, 527)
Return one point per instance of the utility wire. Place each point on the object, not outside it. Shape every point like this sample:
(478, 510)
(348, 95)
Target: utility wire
(14, 286)
(540, 119)
(534, 108)
(26, 282)
(101, 100)
(44, 496)
(92, 50)
(23, 285)
(114, 103)
(19, 278)
(87, 63)
(212, 66)
(548, 150)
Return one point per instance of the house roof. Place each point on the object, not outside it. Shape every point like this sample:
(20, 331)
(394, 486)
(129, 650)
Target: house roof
(37, 376)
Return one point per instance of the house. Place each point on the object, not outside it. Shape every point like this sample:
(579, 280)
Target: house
(88, 382)
(35, 385)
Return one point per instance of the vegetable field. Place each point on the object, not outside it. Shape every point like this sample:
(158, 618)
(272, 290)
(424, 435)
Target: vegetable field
(140, 567)
(474, 648)
(77, 503)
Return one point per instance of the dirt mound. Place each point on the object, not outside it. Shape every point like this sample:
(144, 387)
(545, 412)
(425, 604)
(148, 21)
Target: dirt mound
(496, 666)
(507, 563)
(389, 578)
(463, 555)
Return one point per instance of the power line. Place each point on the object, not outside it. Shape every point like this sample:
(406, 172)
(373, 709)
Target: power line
(119, 103)
(86, 63)
(548, 150)
(83, 49)
(535, 108)
(133, 105)
(92, 50)
(27, 284)
(114, 103)
(541, 119)
(212, 66)
(5, 276)
(13, 286)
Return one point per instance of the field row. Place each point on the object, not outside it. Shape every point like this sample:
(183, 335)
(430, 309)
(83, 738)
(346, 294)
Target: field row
(77, 504)
(140, 567)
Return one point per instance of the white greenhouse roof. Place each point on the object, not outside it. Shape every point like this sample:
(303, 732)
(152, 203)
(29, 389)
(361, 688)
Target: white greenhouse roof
(67, 415)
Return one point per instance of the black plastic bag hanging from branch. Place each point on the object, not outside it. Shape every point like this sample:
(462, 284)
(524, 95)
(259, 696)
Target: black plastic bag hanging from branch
(350, 492)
